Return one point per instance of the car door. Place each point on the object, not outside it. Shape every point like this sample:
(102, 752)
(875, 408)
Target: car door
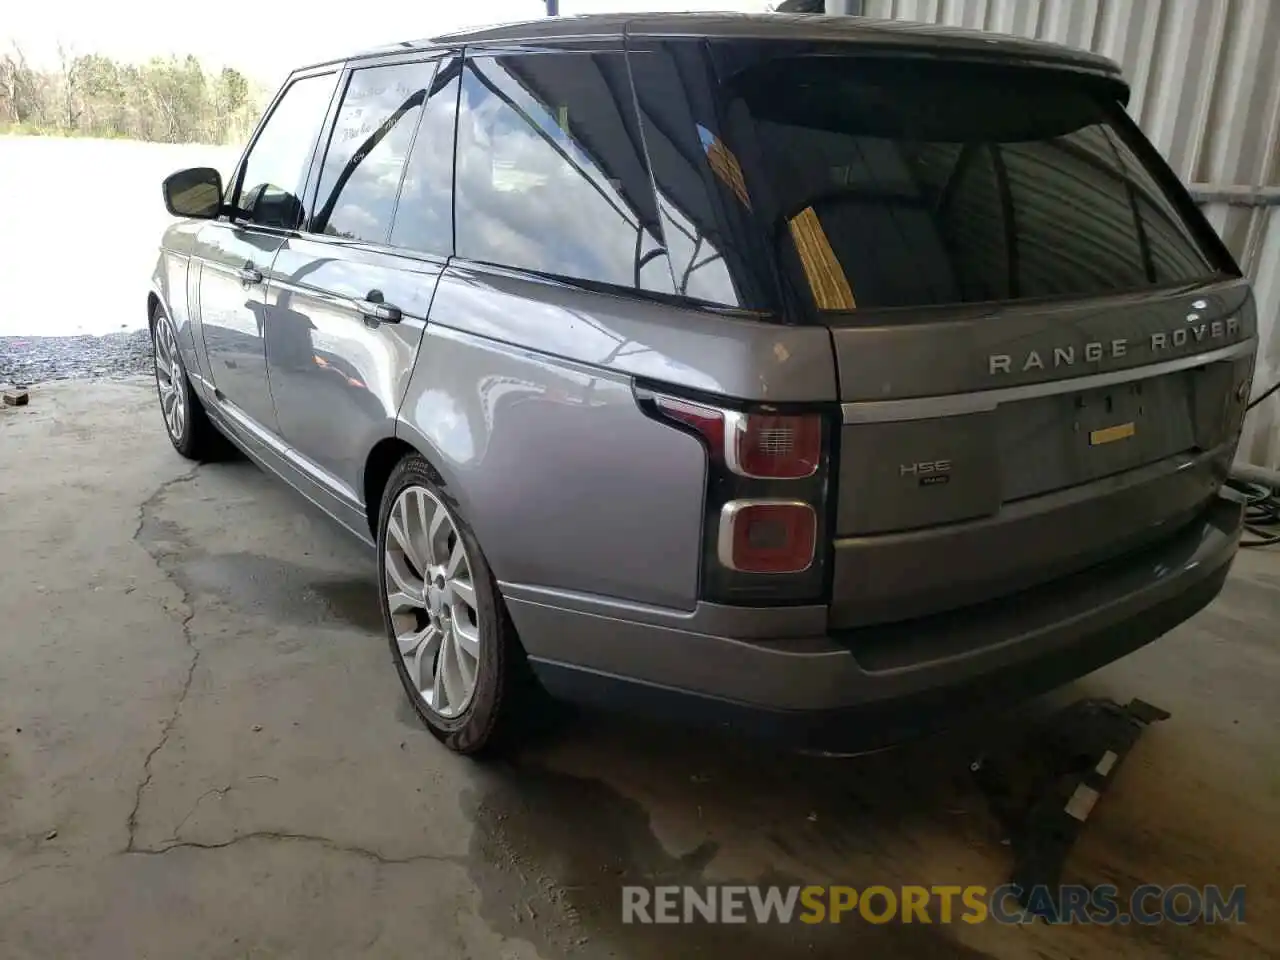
(236, 251)
(348, 297)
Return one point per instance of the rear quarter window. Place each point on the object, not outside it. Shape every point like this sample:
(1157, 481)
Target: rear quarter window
(365, 160)
(550, 174)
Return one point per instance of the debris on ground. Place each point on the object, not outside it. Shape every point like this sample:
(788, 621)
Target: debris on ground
(32, 360)
(16, 398)
(1043, 789)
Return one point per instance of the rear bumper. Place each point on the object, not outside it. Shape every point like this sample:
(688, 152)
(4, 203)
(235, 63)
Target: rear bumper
(771, 673)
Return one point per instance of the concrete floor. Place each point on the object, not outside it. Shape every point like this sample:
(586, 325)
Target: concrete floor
(204, 753)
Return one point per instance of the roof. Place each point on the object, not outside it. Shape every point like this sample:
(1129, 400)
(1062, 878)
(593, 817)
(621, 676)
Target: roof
(900, 34)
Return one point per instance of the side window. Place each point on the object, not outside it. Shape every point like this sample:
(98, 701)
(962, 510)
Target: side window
(276, 168)
(708, 216)
(550, 175)
(424, 214)
(366, 156)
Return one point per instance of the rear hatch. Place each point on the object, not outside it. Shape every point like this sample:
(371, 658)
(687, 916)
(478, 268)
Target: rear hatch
(1043, 350)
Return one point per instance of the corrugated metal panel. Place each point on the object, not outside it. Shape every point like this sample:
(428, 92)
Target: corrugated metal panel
(1206, 89)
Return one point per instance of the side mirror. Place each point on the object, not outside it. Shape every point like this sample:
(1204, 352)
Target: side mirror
(196, 192)
(269, 206)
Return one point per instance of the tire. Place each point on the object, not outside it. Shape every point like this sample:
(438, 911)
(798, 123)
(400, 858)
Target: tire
(467, 724)
(185, 421)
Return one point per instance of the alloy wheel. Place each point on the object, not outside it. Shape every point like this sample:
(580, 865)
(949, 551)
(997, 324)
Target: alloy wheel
(432, 600)
(170, 379)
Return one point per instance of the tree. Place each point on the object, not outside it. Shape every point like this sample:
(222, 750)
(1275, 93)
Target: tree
(170, 99)
(103, 104)
(19, 89)
(68, 113)
(231, 96)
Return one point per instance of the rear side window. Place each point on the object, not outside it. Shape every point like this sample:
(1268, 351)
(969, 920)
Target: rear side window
(424, 214)
(550, 172)
(891, 184)
(365, 161)
(708, 219)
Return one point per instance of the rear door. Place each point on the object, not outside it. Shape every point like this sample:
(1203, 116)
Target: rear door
(1043, 351)
(348, 297)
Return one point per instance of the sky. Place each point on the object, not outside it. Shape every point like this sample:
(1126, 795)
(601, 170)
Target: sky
(270, 37)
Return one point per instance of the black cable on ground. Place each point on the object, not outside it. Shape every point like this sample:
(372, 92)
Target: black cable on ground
(1261, 512)
(1262, 501)
(1268, 392)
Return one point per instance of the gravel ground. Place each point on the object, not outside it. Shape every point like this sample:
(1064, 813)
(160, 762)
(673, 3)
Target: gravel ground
(100, 274)
(31, 360)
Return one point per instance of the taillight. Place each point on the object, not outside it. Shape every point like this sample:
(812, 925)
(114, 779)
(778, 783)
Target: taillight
(764, 532)
(707, 421)
(771, 446)
(767, 536)
(762, 446)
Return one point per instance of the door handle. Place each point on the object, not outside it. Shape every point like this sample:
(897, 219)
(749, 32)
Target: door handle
(249, 274)
(374, 308)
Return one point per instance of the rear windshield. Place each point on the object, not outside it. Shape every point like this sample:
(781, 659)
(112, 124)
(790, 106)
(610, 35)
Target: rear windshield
(902, 183)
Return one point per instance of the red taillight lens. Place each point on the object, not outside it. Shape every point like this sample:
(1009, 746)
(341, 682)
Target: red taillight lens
(767, 536)
(761, 446)
(774, 447)
(708, 421)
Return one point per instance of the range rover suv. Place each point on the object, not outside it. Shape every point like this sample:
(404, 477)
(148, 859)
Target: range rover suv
(822, 378)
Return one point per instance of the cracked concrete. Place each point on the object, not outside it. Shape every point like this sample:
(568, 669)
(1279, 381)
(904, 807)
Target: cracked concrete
(295, 838)
(204, 753)
(221, 778)
(185, 623)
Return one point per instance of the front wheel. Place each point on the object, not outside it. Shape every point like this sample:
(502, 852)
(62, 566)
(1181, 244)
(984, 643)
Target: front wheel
(453, 648)
(189, 429)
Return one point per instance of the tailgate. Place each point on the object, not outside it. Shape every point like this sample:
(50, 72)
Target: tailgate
(981, 454)
(1043, 347)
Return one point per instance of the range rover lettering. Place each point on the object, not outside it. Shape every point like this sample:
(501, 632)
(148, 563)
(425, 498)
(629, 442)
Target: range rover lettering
(823, 379)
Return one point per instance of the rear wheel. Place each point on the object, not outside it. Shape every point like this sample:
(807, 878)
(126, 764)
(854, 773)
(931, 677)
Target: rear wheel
(189, 429)
(453, 647)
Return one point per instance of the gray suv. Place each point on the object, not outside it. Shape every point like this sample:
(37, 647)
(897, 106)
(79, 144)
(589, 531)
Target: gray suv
(820, 378)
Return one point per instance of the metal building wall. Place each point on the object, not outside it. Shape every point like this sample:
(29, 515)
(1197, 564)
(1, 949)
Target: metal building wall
(1206, 89)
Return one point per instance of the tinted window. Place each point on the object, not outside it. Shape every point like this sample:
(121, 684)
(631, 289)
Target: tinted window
(276, 169)
(890, 184)
(1175, 253)
(367, 151)
(424, 214)
(707, 219)
(550, 176)
(1074, 228)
